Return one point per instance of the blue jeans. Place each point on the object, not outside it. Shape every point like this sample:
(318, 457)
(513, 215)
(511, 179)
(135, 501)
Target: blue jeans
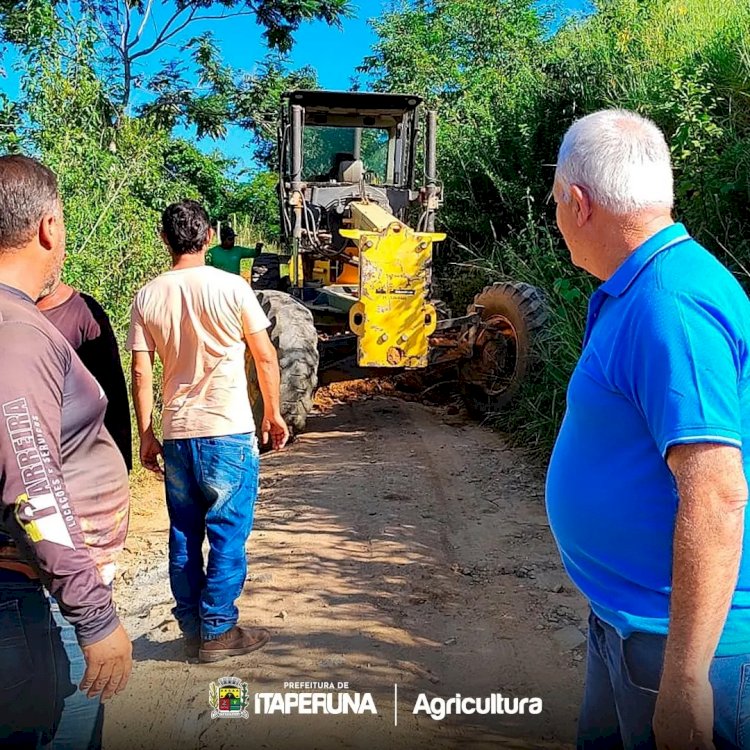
(41, 665)
(212, 485)
(622, 682)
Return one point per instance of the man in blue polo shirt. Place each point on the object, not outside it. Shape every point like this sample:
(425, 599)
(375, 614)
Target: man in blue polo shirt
(646, 490)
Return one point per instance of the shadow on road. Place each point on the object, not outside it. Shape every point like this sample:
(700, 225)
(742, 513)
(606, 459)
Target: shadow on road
(390, 546)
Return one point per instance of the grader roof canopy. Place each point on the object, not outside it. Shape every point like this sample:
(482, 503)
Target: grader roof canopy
(352, 103)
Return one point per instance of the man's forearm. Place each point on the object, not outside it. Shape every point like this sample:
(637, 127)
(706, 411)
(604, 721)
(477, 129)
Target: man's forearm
(707, 549)
(269, 382)
(143, 400)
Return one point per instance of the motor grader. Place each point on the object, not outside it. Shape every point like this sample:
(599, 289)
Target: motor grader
(358, 195)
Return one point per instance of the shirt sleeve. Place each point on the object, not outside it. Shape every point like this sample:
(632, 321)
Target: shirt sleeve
(250, 252)
(683, 372)
(35, 506)
(139, 338)
(253, 318)
(101, 356)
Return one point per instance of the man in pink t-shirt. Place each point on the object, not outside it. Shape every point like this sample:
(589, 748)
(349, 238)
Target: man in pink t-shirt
(200, 320)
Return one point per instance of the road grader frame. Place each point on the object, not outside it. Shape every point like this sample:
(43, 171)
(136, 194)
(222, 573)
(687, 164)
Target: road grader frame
(359, 241)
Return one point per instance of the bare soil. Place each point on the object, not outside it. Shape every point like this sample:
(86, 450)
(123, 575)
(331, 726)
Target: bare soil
(394, 543)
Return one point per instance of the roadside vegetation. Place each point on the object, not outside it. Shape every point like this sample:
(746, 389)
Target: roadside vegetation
(507, 88)
(506, 77)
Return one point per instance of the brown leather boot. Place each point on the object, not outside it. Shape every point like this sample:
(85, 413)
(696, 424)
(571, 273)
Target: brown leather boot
(234, 642)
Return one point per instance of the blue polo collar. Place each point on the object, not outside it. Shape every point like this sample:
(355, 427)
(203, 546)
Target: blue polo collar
(621, 280)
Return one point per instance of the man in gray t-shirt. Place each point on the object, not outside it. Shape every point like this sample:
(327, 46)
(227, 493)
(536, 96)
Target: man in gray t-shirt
(63, 483)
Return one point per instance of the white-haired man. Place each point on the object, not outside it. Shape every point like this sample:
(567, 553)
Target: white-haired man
(647, 487)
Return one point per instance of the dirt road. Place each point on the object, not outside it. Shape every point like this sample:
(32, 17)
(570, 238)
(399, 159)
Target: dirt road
(393, 544)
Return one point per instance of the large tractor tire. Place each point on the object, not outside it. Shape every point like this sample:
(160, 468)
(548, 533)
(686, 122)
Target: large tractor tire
(293, 334)
(266, 273)
(514, 316)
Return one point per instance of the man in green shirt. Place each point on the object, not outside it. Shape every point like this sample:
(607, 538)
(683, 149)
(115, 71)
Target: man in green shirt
(227, 256)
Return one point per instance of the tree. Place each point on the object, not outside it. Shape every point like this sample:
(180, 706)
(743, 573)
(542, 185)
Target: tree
(444, 49)
(223, 96)
(129, 31)
(113, 181)
(478, 63)
(208, 173)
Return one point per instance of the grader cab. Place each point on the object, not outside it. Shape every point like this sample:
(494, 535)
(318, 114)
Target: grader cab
(359, 194)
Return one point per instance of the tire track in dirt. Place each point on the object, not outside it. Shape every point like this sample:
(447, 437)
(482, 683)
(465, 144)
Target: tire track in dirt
(394, 543)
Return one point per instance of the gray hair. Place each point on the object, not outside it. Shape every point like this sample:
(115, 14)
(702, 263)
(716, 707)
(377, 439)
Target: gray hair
(28, 192)
(620, 158)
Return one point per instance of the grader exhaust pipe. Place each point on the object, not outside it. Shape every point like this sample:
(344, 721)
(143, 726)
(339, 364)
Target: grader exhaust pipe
(430, 168)
(296, 200)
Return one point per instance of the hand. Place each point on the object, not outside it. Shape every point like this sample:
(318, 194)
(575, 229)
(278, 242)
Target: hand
(150, 451)
(108, 665)
(274, 427)
(684, 715)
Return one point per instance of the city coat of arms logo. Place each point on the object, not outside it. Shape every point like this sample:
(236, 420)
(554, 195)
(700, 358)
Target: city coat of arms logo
(229, 697)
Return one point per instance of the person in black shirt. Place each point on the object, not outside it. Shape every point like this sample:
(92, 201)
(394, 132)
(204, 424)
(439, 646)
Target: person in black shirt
(85, 325)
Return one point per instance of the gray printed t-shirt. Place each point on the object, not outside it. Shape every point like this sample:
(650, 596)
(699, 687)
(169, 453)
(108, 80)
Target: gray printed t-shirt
(63, 482)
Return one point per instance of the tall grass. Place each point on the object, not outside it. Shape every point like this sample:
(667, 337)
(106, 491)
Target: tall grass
(536, 255)
(683, 63)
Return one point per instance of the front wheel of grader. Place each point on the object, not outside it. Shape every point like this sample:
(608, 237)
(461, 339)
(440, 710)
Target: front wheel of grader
(513, 316)
(295, 338)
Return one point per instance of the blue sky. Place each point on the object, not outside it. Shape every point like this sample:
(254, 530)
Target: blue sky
(334, 52)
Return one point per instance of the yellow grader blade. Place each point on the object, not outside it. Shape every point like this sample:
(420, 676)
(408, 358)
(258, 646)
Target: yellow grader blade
(393, 318)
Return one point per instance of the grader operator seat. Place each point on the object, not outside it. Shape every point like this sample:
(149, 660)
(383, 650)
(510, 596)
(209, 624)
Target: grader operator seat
(334, 173)
(351, 171)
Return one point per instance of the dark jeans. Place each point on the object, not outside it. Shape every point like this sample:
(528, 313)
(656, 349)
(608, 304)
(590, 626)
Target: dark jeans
(41, 665)
(622, 681)
(212, 484)
(82, 717)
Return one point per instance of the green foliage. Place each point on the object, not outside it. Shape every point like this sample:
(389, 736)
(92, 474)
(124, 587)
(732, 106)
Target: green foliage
(118, 170)
(113, 181)
(254, 210)
(209, 174)
(260, 204)
(259, 98)
(129, 32)
(477, 63)
(23, 23)
(223, 96)
(506, 91)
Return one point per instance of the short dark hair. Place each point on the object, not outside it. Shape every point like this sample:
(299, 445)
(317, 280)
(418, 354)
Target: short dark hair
(186, 226)
(227, 232)
(28, 191)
